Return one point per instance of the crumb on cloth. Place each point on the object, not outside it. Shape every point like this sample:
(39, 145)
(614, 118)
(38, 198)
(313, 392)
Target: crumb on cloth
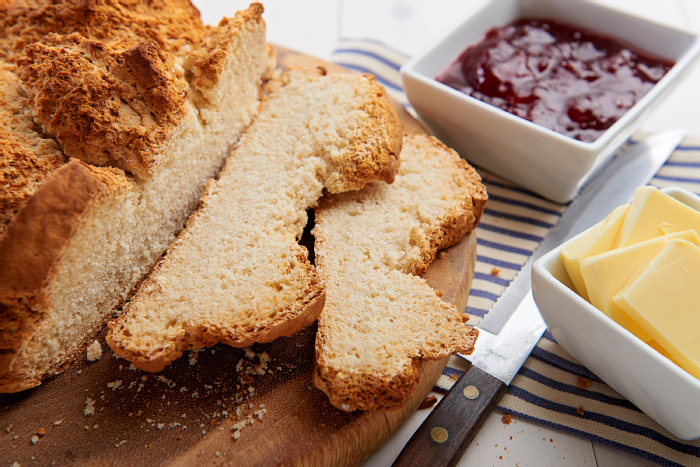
(583, 383)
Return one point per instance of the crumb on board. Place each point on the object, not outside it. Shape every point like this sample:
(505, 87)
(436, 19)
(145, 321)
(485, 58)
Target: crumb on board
(94, 351)
(34, 439)
(442, 255)
(583, 383)
(89, 407)
(506, 419)
(495, 271)
(427, 403)
(580, 410)
(115, 384)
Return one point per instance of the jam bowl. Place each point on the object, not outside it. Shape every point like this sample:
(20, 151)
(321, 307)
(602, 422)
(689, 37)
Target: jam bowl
(552, 164)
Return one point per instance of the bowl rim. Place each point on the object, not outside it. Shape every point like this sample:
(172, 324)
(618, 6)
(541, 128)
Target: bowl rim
(409, 70)
(541, 270)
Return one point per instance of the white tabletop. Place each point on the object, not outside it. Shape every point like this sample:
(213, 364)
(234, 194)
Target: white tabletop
(314, 27)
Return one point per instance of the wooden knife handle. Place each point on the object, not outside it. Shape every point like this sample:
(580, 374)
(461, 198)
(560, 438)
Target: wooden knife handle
(447, 432)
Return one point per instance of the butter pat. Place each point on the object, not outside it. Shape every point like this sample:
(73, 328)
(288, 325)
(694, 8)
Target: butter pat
(663, 299)
(606, 274)
(653, 214)
(596, 241)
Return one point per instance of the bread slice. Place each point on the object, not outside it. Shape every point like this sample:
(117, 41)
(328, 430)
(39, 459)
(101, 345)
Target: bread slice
(380, 320)
(236, 274)
(60, 288)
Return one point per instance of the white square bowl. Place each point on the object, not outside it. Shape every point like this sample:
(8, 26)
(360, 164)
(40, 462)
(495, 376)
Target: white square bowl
(658, 387)
(541, 160)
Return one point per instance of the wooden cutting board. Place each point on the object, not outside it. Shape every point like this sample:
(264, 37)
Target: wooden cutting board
(184, 415)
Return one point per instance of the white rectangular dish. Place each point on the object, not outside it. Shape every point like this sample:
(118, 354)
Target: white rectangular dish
(542, 160)
(653, 383)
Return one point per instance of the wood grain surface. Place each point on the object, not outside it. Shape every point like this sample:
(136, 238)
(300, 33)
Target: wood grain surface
(186, 414)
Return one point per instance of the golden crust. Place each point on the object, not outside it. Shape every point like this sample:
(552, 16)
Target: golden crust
(26, 157)
(212, 53)
(108, 104)
(173, 24)
(384, 125)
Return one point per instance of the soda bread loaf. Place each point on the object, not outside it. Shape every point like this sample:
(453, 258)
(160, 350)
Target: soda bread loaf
(237, 274)
(380, 319)
(161, 115)
(28, 154)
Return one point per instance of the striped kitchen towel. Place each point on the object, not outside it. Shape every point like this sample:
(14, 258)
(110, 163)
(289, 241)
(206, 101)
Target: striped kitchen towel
(548, 388)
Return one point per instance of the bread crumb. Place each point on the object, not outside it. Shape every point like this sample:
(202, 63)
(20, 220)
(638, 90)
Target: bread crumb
(114, 385)
(94, 352)
(442, 255)
(579, 410)
(583, 383)
(454, 377)
(495, 271)
(506, 419)
(58, 422)
(132, 367)
(427, 403)
(236, 435)
(89, 407)
(34, 439)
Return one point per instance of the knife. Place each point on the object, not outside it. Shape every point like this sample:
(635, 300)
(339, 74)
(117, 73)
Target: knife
(507, 338)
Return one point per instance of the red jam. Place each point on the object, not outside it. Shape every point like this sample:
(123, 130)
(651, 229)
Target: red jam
(563, 77)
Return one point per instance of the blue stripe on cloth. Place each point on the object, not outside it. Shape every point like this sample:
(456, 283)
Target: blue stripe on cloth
(570, 389)
(361, 69)
(451, 371)
(502, 247)
(563, 364)
(688, 148)
(695, 165)
(476, 311)
(511, 188)
(498, 262)
(523, 204)
(366, 53)
(517, 218)
(604, 420)
(374, 41)
(677, 179)
(548, 335)
(509, 232)
(483, 294)
(491, 278)
(583, 434)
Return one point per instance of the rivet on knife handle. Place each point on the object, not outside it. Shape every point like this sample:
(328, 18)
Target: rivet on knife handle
(448, 430)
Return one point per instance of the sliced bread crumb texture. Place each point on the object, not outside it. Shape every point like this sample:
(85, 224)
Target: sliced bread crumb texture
(380, 319)
(236, 274)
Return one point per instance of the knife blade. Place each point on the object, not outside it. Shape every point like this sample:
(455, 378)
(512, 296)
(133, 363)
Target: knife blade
(505, 343)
